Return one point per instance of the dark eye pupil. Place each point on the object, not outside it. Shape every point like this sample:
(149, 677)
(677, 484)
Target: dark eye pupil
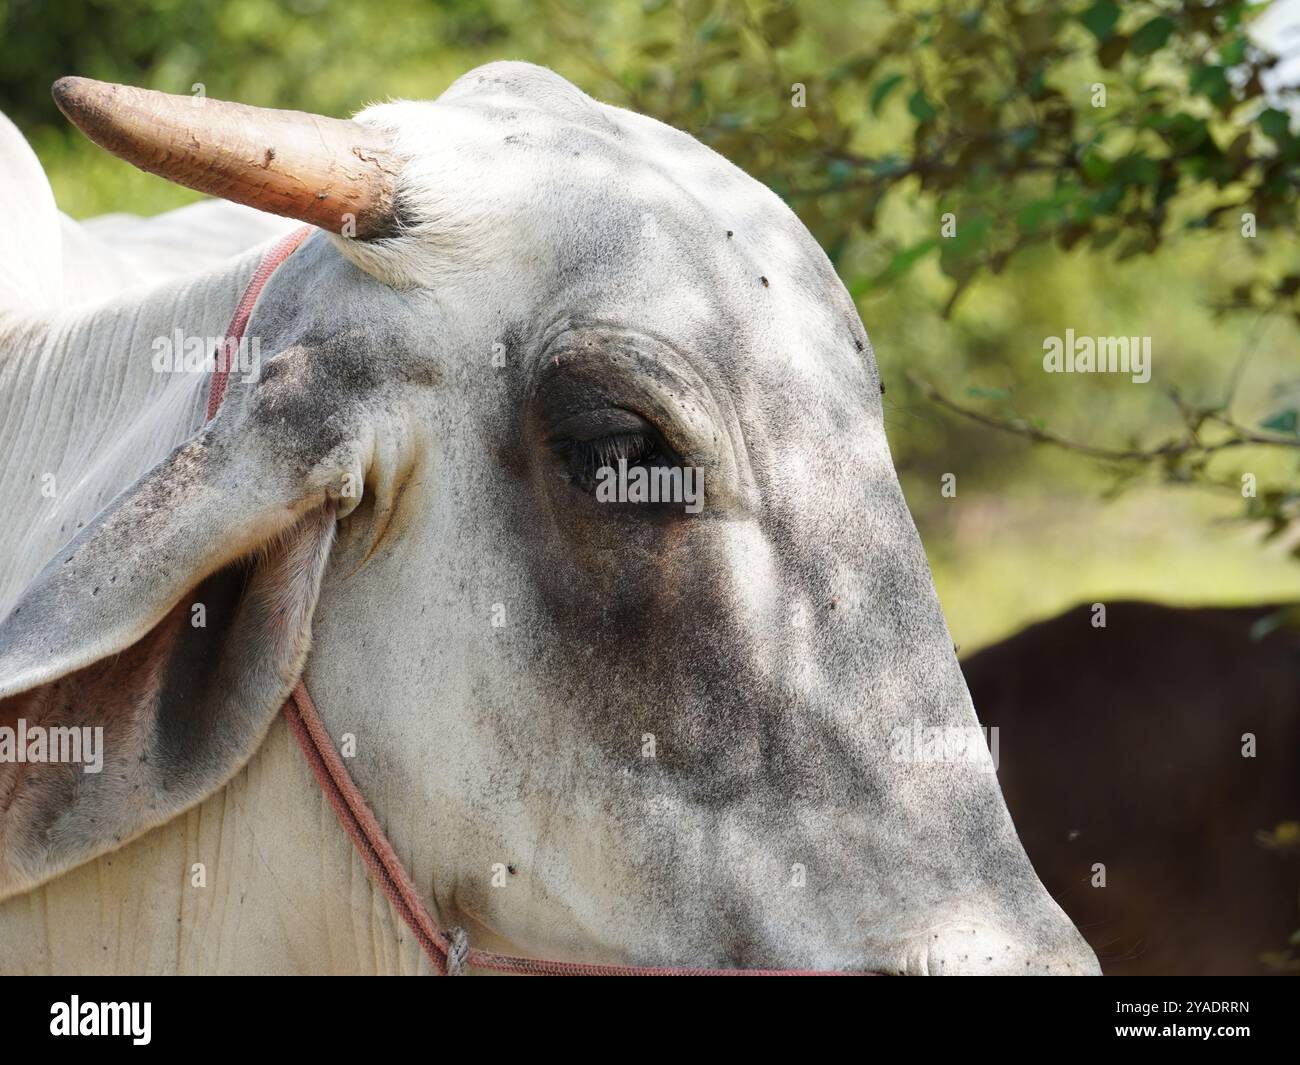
(587, 457)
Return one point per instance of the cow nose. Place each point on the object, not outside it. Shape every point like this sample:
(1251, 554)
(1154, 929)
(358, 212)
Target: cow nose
(976, 949)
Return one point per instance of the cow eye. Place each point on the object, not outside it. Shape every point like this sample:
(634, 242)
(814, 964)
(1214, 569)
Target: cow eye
(583, 459)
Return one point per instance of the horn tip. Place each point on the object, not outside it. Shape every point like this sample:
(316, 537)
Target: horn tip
(72, 94)
(66, 87)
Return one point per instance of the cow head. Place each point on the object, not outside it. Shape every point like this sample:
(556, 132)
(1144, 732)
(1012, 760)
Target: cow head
(683, 729)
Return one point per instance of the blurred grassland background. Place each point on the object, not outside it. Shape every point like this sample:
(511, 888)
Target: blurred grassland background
(1120, 220)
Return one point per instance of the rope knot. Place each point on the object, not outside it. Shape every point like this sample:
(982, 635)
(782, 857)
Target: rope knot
(457, 951)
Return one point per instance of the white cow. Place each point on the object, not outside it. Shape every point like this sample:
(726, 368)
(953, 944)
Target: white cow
(596, 731)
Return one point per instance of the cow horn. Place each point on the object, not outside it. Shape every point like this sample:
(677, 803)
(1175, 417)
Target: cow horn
(317, 170)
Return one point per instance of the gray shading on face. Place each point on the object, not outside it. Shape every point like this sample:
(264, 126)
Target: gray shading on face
(678, 730)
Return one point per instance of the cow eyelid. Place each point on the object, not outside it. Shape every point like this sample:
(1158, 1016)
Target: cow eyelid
(584, 458)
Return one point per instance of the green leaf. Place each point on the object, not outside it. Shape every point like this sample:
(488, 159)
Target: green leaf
(1284, 421)
(1108, 198)
(840, 171)
(882, 90)
(1110, 53)
(1152, 36)
(1137, 169)
(1182, 130)
(1233, 52)
(1023, 136)
(901, 263)
(1211, 81)
(921, 107)
(1033, 216)
(970, 233)
(1275, 123)
(988, 393)
(1101, 19)
(780, 25)
(1095, 168)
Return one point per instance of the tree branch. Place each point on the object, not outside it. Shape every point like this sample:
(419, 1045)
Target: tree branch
(1189, 444)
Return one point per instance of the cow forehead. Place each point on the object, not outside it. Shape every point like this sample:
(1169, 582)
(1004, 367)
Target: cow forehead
(513, 86)
(514, 139)
(622, 219)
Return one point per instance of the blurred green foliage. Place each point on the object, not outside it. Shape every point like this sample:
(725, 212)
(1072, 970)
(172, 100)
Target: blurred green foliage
(1113, 212)
(1030, 122)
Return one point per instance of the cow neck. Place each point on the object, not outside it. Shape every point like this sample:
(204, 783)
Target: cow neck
(448, 951)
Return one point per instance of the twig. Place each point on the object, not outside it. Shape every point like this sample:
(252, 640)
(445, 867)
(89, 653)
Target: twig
(1189, 444)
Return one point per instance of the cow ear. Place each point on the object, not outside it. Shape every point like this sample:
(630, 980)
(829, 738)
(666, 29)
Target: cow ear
(157, 647)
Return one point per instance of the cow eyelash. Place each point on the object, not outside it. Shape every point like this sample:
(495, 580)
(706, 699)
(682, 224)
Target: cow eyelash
(586, 457)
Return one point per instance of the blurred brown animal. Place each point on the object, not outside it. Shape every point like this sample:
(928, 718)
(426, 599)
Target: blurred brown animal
(1123, 746)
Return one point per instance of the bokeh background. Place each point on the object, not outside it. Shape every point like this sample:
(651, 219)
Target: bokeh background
(1067, 215)
(1163, 205)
